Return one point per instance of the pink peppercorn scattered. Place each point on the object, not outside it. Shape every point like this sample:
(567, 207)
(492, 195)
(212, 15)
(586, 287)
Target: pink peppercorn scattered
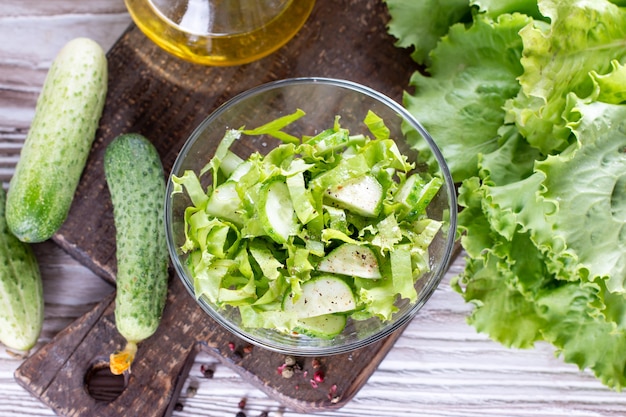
(318, 376)
(231, 346)
(281, 368)
(332, 392)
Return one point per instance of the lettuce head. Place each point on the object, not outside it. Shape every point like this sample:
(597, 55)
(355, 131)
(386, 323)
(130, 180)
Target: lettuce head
(527, 101)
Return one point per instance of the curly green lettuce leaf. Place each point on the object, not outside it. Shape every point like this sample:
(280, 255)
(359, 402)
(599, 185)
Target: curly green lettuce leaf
(584, 334)
(550, 246)
(611, 87)
(502, 274)
(420, 24)
(588, 185)
(512, 161)
(473, 73)
(583, 36)
(519, 301)
(501, 311)
(475, 232)
(495, 8)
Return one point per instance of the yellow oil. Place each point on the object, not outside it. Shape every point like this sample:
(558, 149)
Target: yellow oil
(220, 32)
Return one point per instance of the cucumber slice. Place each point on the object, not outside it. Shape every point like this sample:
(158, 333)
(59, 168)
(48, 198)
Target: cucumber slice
(320, 296)
(353, 260)
(416, 194)
(363, 195)
(276, 211)
(224, 203)
(241, 170)
(230, 163)
(326, 326)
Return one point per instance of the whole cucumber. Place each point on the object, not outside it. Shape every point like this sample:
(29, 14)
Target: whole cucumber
(58, 142)
(21, 292)
(136, 181)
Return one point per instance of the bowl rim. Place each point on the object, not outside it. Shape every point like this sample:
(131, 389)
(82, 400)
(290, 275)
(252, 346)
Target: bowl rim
(437, 273)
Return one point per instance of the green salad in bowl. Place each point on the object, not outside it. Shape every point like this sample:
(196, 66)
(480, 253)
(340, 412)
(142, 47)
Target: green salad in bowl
(300, 217)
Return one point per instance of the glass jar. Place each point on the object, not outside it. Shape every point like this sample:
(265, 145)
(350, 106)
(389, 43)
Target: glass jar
(220, 32)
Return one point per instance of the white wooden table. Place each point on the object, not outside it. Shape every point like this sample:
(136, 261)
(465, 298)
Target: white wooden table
(439, 367)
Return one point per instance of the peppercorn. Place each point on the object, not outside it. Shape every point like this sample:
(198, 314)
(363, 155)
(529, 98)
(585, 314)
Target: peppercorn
(318, 376)
(287, 372)
(207, 371)
(242, 403)
(192, 390)
(240, 414)
(332, 394)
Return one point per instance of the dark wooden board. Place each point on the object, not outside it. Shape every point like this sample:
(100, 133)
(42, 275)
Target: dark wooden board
(164, 98)
(56, 373)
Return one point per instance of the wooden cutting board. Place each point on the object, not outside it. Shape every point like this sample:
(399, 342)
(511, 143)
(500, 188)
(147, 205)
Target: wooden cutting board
(164, 98)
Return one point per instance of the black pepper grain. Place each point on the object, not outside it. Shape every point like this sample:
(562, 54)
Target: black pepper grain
(207, 371)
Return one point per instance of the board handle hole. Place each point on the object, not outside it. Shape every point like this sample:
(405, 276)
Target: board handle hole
(101, 384)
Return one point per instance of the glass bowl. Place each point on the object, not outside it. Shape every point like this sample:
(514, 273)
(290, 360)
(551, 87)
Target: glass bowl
(321, 99)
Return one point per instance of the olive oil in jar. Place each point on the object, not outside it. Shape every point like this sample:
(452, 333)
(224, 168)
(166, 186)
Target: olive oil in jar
(220, 32)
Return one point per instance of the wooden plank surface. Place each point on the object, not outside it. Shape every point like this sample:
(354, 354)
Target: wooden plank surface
(164, 98)
(438, 367)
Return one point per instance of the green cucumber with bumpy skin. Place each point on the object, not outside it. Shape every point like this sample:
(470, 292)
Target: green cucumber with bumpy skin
(21, 292)
(58, 142)
(135, 178)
